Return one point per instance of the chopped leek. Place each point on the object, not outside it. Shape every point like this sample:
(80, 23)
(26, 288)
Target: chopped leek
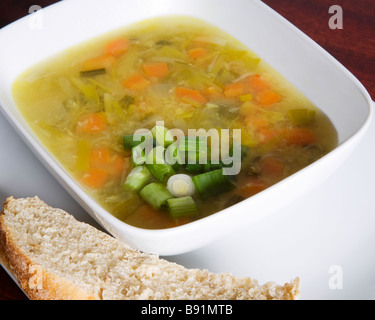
(93, 73)
(181, 185)
(155, 194)
(182, 207)
(212, 183)
(301, 117)
(137, 178)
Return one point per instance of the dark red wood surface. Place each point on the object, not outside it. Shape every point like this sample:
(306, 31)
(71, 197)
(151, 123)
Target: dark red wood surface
(353, 46)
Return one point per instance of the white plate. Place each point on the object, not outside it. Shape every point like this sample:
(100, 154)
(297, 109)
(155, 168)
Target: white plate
(330, 229)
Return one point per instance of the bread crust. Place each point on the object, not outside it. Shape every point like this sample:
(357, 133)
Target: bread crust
(29, 275)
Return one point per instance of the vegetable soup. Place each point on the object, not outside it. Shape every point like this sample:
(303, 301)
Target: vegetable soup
(113, 110)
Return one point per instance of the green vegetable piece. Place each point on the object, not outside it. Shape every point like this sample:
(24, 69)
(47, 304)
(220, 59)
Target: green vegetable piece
(212, 183)
(155, 194)
(301, 117)
(137, 178)
(157, 165)
(182, 207)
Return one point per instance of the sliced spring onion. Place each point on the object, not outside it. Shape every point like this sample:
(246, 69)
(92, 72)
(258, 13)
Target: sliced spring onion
(212, 183)
(138, 156)
(182, 207)
(181, 185)
(155, 194)
(93, 73)
(157, 165)
(173, 157)
(137, 178)
(195, 149)
(162, 136)
(133, 140)
(195, 168)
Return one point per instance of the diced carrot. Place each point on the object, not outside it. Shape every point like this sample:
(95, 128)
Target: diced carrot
(268, 97)
(99, 157)
(156, 70)
(99, 62)
(95, 178)
(117, 47)
(119, 164)
(271, 166)
(257, 123)
(233, 90)
(197, 53)
(255, 83)
(254, 186)
(300, 136)
(267, 135)
(190, 94)
(136, 82)
(93, 122)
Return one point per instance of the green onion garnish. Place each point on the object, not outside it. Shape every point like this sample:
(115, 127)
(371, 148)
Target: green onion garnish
(155, 194)
(157, 165)
(137, 178)
(212, 183)
(182, 207)
(131, 141)
(162, 136)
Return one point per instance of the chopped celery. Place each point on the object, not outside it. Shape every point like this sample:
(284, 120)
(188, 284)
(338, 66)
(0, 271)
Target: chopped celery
(137, 178)
(155, 194)
(182, 207)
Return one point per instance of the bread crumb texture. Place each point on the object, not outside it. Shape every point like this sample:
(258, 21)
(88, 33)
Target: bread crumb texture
(54, 256)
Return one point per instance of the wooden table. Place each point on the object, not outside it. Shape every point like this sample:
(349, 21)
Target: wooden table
(353, 46)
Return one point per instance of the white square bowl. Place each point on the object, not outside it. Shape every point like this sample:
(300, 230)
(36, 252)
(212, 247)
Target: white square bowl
(331, 87)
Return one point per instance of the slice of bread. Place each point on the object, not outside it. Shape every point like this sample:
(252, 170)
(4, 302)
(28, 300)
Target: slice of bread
(53, 256)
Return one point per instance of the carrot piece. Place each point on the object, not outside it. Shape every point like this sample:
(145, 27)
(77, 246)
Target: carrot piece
(95, 178)
(93, 122)
(119, 164)
(257, 123)
(99, 157)
(268, 97)
(190, 94)
(267, 135)
(253, 187)
(156, 70)
(136, 82)
(233, 90)
(300, 136)
(197, 53)
(271, 166)
(117, 47)
(100, 62)
(255, 83)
